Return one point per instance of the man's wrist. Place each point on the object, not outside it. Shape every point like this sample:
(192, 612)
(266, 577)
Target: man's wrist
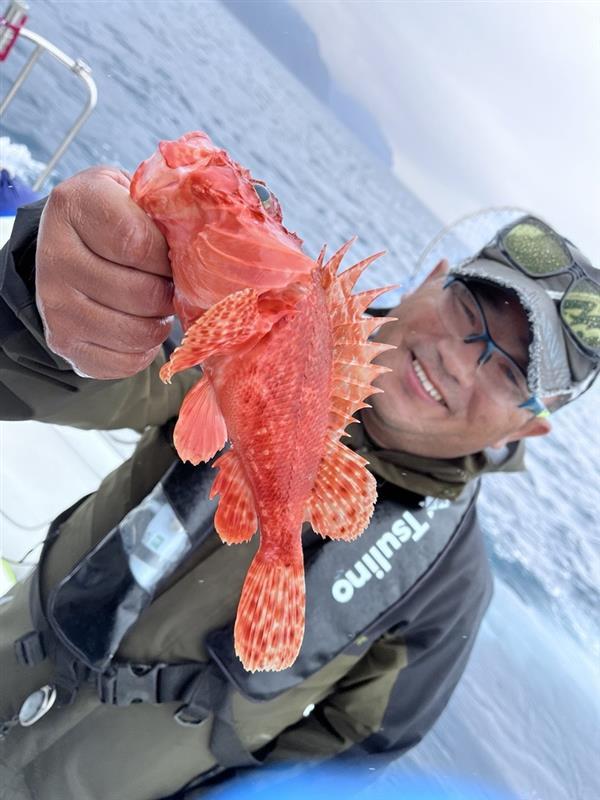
(24, 250)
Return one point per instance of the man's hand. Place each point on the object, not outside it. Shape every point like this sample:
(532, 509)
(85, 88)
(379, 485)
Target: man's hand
(103, 279)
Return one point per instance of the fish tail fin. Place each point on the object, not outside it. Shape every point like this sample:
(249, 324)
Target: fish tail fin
(269, 626)
(201, 429)
(235, 520)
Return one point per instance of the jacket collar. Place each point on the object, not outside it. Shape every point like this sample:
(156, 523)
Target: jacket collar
(435, 477)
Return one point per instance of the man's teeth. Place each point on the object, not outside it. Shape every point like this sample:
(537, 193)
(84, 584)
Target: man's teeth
(427, 385)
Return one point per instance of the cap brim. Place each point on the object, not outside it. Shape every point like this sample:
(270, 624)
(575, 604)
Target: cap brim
(548, 372)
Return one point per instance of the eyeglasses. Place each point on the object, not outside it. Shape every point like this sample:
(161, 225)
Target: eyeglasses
(502, 376)
(536, 250)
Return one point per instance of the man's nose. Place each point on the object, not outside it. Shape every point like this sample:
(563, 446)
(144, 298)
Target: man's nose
(460, 359)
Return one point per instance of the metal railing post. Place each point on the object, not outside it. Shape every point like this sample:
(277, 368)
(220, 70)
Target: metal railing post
(20, 79)
(79, 68)
(82, 70)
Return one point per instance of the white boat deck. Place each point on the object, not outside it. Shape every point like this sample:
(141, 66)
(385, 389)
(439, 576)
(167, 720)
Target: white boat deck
(44, 469)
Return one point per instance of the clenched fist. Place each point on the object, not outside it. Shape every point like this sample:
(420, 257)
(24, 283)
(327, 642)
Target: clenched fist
(103, 278)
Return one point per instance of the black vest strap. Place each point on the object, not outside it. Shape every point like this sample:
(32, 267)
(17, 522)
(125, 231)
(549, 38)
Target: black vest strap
(210, 692)
(35, 646)
(123, 684)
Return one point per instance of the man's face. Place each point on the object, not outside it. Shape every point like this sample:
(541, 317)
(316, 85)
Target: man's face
(469, 417)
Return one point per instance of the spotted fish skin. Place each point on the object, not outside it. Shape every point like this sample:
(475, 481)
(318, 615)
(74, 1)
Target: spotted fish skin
(286, 362)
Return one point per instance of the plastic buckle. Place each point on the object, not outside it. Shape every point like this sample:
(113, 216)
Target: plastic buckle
(29, 649)
(125, 684)
(192, 720)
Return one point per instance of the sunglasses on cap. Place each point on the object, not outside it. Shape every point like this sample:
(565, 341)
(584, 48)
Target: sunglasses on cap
(539, 252)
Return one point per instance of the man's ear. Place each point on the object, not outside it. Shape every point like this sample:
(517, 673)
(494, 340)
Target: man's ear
(440, 269)
(536, 426)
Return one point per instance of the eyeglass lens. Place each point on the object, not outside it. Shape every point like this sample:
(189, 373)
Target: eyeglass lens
(500, 374)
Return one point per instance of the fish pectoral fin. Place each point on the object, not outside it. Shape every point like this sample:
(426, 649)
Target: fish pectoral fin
(200, 431)
(269, 626)
(220, 329)
(230, 323)
(235, 520)
(343, 495)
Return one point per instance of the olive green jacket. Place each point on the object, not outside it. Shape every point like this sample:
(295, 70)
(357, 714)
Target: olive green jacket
(376, 701)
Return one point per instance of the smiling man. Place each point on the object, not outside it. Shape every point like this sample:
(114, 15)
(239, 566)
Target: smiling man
(119, 678)
(440, 400)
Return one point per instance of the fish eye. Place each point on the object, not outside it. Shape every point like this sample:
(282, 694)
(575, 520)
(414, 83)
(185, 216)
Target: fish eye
(264, 195)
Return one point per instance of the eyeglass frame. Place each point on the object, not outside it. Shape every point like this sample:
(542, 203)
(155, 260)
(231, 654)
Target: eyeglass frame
(533, 403)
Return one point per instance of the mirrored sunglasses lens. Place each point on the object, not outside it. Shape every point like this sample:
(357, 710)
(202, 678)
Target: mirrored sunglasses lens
(580, 310)
(536, 249)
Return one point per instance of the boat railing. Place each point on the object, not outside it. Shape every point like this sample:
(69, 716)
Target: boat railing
(76, 66)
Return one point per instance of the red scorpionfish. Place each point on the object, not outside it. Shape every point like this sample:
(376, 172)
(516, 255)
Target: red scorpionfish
(285, 360)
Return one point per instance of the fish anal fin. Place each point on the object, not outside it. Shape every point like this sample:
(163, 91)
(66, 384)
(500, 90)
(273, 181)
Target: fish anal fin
(200, 430)
(343, 495)
(269, 626)
(235, 520)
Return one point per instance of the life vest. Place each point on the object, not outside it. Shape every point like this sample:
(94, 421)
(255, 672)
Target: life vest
(354, 593)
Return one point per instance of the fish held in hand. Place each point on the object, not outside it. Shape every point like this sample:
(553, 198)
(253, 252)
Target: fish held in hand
(286, 361)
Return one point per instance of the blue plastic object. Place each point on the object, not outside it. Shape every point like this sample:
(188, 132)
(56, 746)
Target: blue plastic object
(14, 193)
(358, 782)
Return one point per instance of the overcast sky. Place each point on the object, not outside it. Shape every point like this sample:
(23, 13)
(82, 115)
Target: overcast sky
(484, 103)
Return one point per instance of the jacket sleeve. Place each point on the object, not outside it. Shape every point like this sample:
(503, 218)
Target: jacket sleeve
(35, 383)
(386, 704)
